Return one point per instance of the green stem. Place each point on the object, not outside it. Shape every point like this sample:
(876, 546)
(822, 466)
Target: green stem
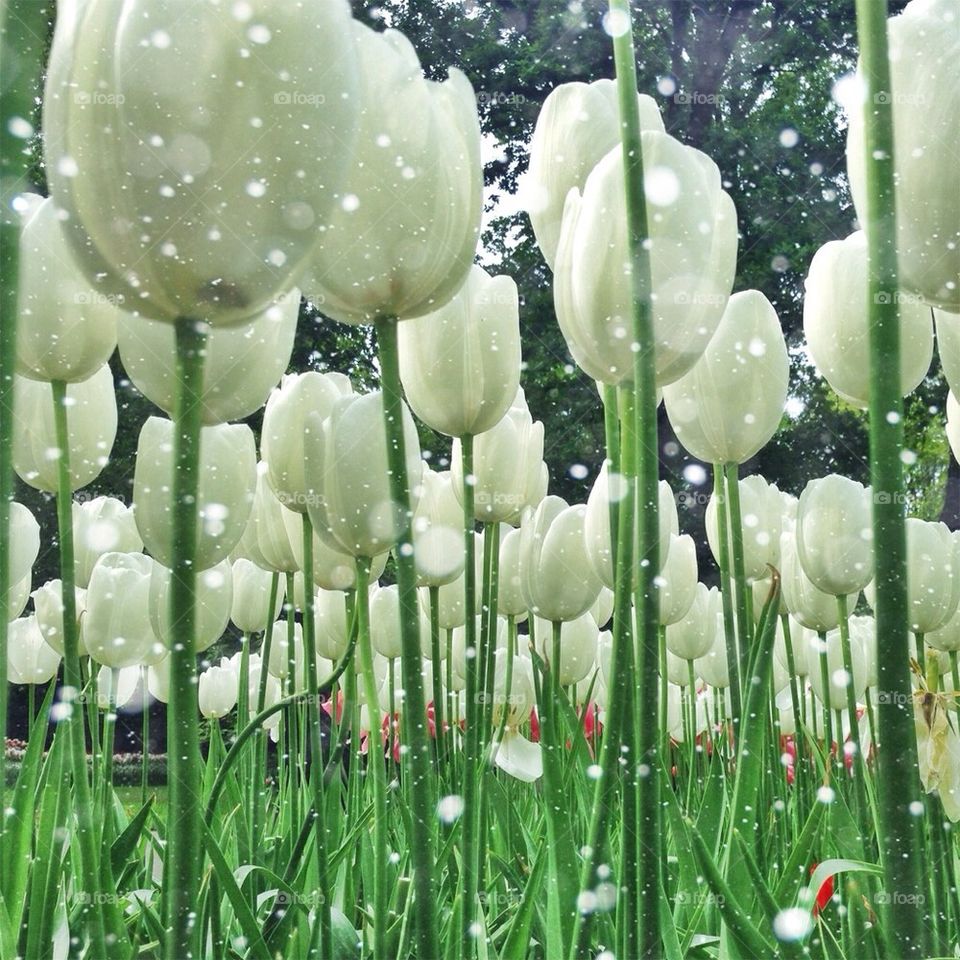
(184, 844)
(646, 760)
(744, 620)
(898, 783)
(726, 592)
(471, 759)
(144, 739)
(89, 862)
(23, 33)
(618, 729)
(315, 735)
(423, 806)
(375, 765)
(437, 661)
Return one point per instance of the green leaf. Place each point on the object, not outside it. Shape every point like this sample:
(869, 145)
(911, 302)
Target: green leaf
(241, 909)
(126, 844)
(518, 936)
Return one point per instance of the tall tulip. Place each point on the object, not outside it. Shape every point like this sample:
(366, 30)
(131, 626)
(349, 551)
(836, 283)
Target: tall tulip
(66, 329)
(578, 646)
(30, 659)
(101, 525)
(217, 690)
(213, 605)
(251, 597)
(761, 521)
(677, 584)
(284, 432)
(116, 625)
(228, 463)
(729, 405)
(135, 133)
(241, 366)
(597, 522)
(92, 428)
(578, 124)
(692, 227)
(265, 540)
(836, 322)
(807, 604)
(557, 584)
(834, 534)
(694, 634)
(460, 364)
(403, 237)
(438, 548)
(924, 94)
(508, 468)
(349, 500)
(948, 346)
(48, 609)
(23, 541)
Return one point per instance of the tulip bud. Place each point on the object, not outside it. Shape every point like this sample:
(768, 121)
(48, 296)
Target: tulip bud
(284, 432)
(460, 365)
(948, 346)
(836, 319)
(578, 124)
(802, 642)
(835, 698)
(677, 585)
(556, 583)
(18, 595)
(809, 606)
(115, 688)
(48, 609)
(241, 364)
(729, 405)
(227, 477)
(217, 690)
(280, 653)
(350, 501)
(712, 667)
(508, 468)
(330, 618)
(578, 646)
(135, 134)
(265, 540)
(116, 625)
(597, 523)
(459, 651)
(451, 596)
(437, 530)
(101, 525)
(385, 624)
(23, 543)
(933, 576)
(514, 754)
(834, 534)
(602, 609)
(510, 602)
(214, 600)
(693, 249)
(924, 95)
(158, 680)
(30, 659)
(91, 429)
(761, 514)
(332, 568)
(947, 637)
(66, 330)
(403, 237)
(694, 635)
(252, 587)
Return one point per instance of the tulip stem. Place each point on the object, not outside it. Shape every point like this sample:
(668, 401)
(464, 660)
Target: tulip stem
(423, 802)
(23, 29)
(375, 763)
(314, 732)
(618, 729)
(471, 820)
(439, 735)
(647, 760)
(744, 623)
(726, 593)
(72, 678)
(898, 765)
(184, 845)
